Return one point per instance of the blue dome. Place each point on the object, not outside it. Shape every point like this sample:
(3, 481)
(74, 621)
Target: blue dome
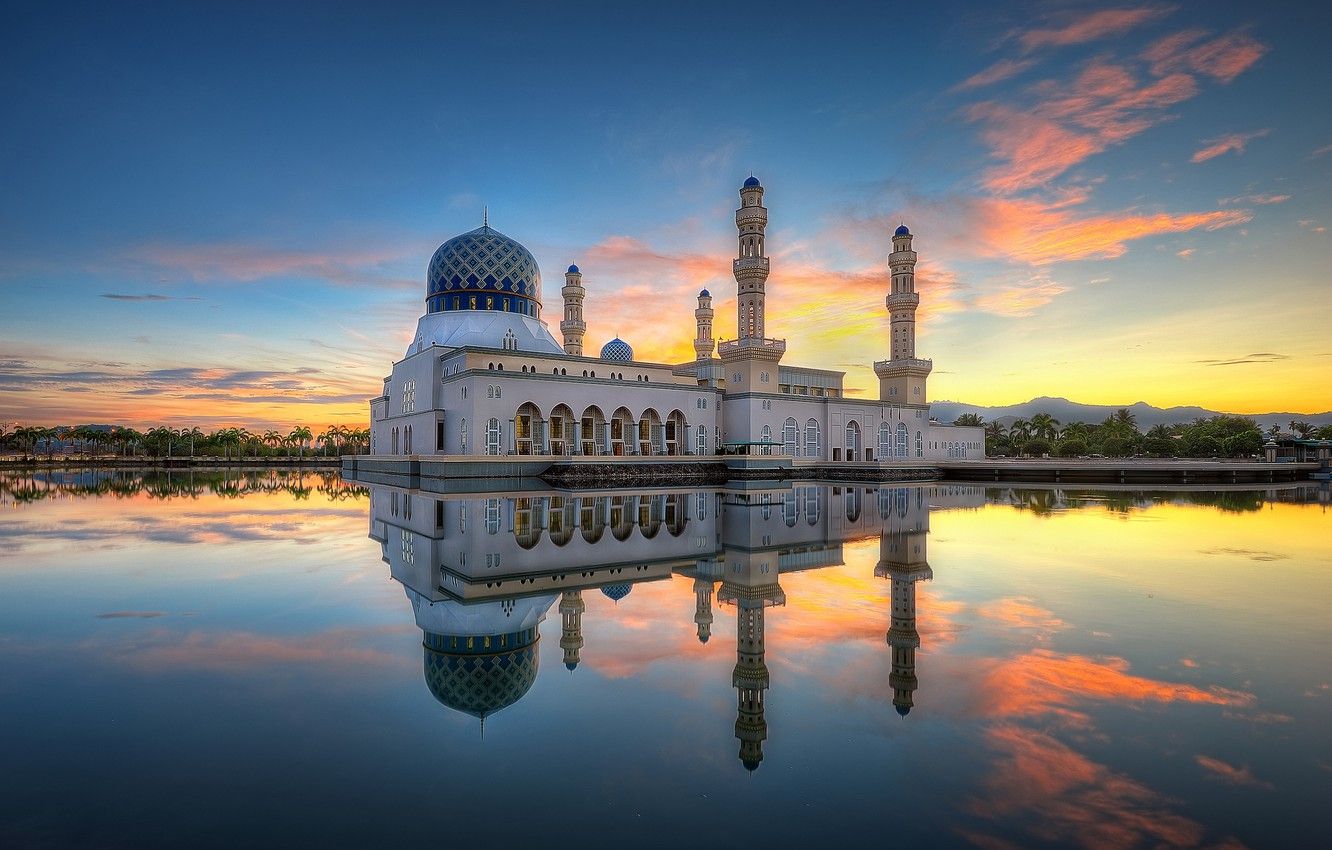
(569, 665)
(904, 710)
(751, 181)
(617, 351)
(703, 293)
(573, 269)
(483, 270)
(617, 591)
(902, 231)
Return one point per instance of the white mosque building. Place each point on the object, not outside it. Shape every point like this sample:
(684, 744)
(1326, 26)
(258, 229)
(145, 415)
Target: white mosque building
(485, 376)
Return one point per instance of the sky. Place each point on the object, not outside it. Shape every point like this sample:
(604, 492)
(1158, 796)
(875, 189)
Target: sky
(223, 216)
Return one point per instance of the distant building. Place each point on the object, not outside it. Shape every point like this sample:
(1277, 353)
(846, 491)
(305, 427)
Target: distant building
(484, 376)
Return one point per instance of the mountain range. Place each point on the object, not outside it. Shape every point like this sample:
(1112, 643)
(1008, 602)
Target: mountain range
(1066, 411)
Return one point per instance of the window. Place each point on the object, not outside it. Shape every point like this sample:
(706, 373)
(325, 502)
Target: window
(409, 396)
(439, 435)
(702, 444)
(885, 440)
(763, 376)
(920, 445)
(901, 441)
(766, 438)
(493, 436)
(812, 439)
(791, 437)
(852, 439)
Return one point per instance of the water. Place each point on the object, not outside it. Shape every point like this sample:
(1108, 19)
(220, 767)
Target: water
(279, 660)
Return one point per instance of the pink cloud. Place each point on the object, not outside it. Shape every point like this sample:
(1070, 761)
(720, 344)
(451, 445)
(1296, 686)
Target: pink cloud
(1092, 27)
(1233, 142)
(998, 72)
(1223, 58)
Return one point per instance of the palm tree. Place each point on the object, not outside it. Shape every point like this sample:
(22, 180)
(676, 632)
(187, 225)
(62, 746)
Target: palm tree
(1274, 432)
(994, 431)
(1019, 431)
(1304, 429)
(194, 434)
(969, 419)
(1044, 425)
(300, 435)
(1124, 416)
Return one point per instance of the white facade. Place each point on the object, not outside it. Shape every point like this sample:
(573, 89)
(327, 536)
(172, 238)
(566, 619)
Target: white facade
(484, 376)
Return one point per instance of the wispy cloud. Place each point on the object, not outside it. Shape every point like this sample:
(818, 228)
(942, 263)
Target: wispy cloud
(248, 263)
(1262, 200)
(1223, 58)
(1231, 774)
(1083, 28)
(1235, 142)
(1323, 151)
(1262, 357)
(115, 296)
(998, 72)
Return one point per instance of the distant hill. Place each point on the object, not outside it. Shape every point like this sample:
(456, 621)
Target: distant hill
(1071, 411)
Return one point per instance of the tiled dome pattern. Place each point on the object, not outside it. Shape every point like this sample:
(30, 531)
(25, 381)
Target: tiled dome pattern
(617, 351)
(480, 684)
(483, 262)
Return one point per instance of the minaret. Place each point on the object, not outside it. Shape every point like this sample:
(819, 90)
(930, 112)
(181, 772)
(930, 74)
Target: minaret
(703, 319)
(703, 608)
(751, 584)
(572, 607)
(902, 560)
(572, 325)
(751, 265)
(902, 377)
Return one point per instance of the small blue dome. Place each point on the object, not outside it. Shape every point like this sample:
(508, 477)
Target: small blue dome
(902, 231)
(904, 710)
(573, 269)
(617, 591)
(569, 665)
(617, 351)
(751, 181)
(703, 293)
(703, 638)
(750, 764)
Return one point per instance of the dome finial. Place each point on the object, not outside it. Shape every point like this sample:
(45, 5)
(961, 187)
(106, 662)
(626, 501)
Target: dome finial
(485, 216)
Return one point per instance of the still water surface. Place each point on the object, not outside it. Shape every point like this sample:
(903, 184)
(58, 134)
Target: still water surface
(277, 660)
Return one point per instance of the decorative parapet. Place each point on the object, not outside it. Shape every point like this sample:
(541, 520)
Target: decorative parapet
(745, 264)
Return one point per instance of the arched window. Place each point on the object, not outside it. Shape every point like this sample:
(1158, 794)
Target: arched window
(852, 439)
(791, 437)
(885, 441)
(812, 448)
(702, 439)
(766, 437)
(902, 438)
(920, 444)
(493, 436)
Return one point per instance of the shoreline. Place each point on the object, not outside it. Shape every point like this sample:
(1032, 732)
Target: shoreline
(28, 464)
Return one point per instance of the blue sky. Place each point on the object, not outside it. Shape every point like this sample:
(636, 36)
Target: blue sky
(1111, 203)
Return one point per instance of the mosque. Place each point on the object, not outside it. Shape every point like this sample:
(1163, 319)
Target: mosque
(482, 572)
(485, 376)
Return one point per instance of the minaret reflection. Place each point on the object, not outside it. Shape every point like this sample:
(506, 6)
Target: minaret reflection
(572, 607)
(750, 584)
(703, 608)
(902, 560)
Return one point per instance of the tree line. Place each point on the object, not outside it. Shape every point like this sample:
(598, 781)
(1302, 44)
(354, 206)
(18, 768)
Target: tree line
(1118, 436)
(166, 442)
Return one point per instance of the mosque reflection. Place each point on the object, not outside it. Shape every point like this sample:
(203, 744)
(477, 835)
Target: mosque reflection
(483, 573)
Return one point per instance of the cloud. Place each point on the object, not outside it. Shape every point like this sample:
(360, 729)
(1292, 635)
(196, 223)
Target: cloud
(1225, 144)
(1185, 253)
(1217, 769)
(1223, 58)
(1092, 27)
(1022, 299)
(247, 263)
(1323, 151)
(115, 296)
(122, 615)
(998, 72)
(1262, 357)
(1262, 200)
(1312, 226)
(1251, 554)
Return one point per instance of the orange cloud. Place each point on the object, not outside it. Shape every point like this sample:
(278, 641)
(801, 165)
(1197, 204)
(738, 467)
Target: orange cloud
(1233, 142)
(1230, 774)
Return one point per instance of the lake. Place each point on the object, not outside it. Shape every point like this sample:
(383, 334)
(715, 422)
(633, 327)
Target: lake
(276, 659)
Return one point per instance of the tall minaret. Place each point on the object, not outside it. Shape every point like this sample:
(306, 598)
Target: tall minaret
(572, 325)
(750, 583)
(703, 319)
(572, 607)
(902, 377)
(751, 264)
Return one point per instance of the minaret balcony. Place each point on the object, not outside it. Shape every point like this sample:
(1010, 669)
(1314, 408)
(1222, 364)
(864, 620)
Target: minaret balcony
(751, 215)
(903, 299)
(751, 347)
(904, 365)
(750, 264)
(573, 325)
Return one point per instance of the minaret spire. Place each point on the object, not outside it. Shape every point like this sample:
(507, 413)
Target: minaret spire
(703, 314)
(485, 216)
(902, 377)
